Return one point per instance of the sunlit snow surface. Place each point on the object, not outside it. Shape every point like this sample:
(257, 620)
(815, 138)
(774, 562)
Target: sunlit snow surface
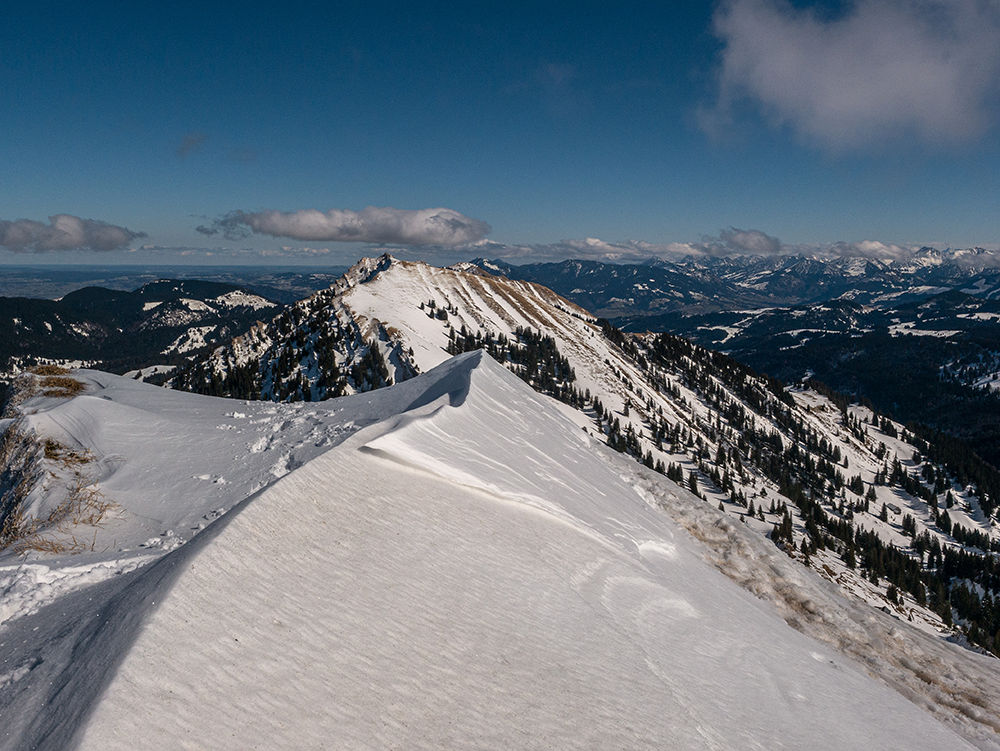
(449, 563)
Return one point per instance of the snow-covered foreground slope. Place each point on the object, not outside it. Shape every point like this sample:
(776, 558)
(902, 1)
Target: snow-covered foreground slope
(466, 570)
(168, 463)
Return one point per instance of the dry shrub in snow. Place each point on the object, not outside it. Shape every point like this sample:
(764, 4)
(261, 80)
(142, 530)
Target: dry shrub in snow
(61, 386)
(49, 370)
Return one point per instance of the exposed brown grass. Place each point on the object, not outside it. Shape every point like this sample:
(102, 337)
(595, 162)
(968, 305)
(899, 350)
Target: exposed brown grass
(85, 504)
(41, 544)
(53, 449)
(49, 370)
(65, 455)
(61, 386)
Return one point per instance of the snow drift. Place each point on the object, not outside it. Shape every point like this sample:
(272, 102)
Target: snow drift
(458, 569)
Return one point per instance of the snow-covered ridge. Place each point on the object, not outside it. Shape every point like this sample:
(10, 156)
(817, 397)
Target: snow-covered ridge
(461, 567)
(674, 406)
(400, 310)
(241, 299)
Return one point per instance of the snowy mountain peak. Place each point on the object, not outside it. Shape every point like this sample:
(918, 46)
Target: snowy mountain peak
(365, 269)
(383, 322)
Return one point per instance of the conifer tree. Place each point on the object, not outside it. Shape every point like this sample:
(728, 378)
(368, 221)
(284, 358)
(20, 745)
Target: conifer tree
(693, 482)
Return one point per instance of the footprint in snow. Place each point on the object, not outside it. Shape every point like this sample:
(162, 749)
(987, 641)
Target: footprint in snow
(216, 479)
(18, 673)
(166, 542)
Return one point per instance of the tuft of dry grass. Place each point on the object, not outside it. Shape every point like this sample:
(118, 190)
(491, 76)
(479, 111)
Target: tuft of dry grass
(14, 528)
(84, 504)
(66, 456)
(61, 386)
(90, 507)
(49, 370)
(53, 449)
(40, 544)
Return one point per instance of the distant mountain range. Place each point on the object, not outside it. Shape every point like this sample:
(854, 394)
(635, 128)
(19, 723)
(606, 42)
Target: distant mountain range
(161, 322)
(918, 339)
(711, 284)
(279, 283)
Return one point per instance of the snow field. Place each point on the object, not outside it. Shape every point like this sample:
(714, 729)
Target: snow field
(487, 304)
(373, 599)
(170, 463)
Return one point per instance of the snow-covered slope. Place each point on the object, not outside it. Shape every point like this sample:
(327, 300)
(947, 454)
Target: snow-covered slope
(144, 469)
(812, 474)
(460, 566)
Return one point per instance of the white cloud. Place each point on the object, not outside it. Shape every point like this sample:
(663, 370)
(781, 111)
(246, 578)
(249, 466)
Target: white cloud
(871, 249)
(63, 232)
(729, 242)
(629, 251)
(753, 242)
(750, 241)
(371, 225)
(886, 69)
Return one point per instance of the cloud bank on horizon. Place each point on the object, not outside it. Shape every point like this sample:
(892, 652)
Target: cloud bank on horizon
(373, 225)
(728, 243)
(441, 235)
(64, 232)
(884, 70)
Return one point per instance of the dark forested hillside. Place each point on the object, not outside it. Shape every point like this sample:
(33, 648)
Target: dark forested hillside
(162, 322)
(934, 361)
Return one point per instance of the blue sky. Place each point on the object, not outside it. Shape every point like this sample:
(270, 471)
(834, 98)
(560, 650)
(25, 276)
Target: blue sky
(649, 129)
